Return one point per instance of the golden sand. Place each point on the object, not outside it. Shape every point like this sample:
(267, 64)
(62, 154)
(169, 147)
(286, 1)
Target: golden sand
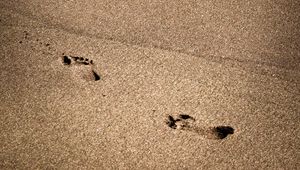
(181, 85)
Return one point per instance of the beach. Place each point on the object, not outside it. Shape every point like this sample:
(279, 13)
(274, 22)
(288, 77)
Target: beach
(140, 85)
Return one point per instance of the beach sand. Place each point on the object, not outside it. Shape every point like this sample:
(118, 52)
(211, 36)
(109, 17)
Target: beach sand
(160, 85)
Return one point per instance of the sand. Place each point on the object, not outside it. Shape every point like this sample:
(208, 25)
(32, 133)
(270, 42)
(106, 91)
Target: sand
(172, 75)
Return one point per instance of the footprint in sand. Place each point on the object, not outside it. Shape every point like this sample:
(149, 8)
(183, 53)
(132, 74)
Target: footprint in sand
(81, 67)
(187, 123)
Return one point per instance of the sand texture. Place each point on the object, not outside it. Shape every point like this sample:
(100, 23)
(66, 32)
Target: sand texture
(93, 84)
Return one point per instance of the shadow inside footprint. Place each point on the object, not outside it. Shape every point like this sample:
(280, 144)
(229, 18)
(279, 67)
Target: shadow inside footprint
(185, 116)
(66, 60)
(96, 76)
(222, 132)
(171, 122)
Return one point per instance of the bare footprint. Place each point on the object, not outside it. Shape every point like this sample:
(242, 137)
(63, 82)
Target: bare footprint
(187, 123)
(81, 67)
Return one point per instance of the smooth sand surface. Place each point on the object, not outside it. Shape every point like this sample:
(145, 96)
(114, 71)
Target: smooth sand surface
(230, 64)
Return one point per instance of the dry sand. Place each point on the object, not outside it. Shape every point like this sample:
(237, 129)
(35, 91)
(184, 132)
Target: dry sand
(230, 64)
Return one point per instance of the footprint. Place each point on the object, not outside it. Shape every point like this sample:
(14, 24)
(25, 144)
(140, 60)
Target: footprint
(81, 67)
(187, 123)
